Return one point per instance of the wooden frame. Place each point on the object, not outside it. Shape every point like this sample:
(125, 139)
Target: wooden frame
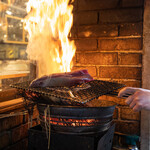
(16, 75)
(145, 115)
(23, 31)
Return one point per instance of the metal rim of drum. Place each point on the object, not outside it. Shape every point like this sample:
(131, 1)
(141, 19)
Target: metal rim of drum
(77, 112)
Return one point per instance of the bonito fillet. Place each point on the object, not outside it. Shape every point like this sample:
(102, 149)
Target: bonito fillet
(67, 79)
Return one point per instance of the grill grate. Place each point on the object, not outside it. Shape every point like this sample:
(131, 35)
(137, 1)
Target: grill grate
(79, 94)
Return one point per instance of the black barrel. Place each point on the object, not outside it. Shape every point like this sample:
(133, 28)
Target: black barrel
(104, 112)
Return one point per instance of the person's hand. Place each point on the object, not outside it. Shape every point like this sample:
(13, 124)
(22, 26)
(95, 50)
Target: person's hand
(139, 99)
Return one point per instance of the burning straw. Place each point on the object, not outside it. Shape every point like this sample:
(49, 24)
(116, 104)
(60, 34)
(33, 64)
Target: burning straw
(48, 23)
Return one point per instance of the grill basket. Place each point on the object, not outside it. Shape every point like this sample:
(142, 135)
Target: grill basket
(76, 95)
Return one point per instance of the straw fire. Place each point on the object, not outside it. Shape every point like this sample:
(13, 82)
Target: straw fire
(48, 23)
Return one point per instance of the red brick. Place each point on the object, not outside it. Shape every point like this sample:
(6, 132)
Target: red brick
(92, 70)
(131, 29)
(130, 59)
(98, 31)
(120, 72)
(8, 94)
(135, 83)
(74, 4)
(85, 18)
(10, 122)
(19, 132)
(73, 32)
(35, 115)
(132, 3)
(120, 44)
(121, 15)
(97, 58)
(96, 4)
(118, 101)
(97, 103)
(4, 139)
(115, 114)
(86, 44)
(26, 118)
(127, 113)
(128, 127)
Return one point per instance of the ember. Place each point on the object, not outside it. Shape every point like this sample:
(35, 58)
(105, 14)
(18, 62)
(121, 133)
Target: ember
(77, 122)
(75, 119)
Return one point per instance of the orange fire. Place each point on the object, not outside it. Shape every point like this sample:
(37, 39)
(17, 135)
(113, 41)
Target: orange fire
(73, 122)
(48, 23)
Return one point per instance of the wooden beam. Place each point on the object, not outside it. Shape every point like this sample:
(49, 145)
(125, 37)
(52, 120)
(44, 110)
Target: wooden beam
(11, 103)
(8, 94)
(10, 106)
(13, 75)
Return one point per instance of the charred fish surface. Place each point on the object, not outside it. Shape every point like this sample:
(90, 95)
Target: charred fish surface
(67, 79)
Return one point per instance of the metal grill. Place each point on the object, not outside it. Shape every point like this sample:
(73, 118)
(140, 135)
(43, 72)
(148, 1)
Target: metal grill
(79, 94)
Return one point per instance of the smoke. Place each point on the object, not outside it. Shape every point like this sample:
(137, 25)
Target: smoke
(41, 49)
(48, 24)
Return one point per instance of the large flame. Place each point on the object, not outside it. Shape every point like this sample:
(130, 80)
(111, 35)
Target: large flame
(48, 23)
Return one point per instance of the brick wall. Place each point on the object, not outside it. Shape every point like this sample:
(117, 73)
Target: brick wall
(109, 41)
(14, 132)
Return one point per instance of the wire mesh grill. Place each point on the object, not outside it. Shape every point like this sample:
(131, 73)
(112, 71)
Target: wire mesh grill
(78, 94)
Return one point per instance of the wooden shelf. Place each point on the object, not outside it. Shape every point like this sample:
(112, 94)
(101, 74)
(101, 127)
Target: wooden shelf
(14, 75)
(8, 94)
(11, 105)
